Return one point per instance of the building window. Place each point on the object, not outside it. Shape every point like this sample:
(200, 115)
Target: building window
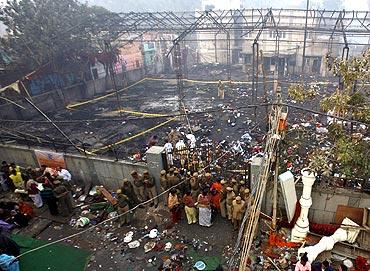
(272, 34)
(137, 64)
(151, 45)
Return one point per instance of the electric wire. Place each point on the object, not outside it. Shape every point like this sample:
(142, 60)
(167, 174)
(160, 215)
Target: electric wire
(190, 113)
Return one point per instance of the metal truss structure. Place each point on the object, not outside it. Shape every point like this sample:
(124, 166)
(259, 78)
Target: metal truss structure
(247, 20)
(243, 24)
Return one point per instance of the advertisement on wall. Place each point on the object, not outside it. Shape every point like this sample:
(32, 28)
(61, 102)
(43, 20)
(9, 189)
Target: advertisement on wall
(50, 159)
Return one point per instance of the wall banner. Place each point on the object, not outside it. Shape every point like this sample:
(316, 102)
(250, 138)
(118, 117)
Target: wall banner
(50, 159)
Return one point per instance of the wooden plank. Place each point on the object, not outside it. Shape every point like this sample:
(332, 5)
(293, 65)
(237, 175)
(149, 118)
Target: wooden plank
(36, 227)
(353, 213)
(108, 195)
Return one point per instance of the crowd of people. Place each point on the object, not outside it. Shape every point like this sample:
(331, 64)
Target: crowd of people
(196, 182)
(200, 196)
(42, 185)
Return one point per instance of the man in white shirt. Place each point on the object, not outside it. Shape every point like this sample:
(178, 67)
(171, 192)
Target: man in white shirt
(169, 149)
(192, 141)
(181, 147)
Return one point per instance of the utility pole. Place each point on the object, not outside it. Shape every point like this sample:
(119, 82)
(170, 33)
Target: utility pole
(228, 48)
(305, 38)
(274, 203)
(179, 75)
(216, 47)
(251, 218)
(109, 52)
(255, 52)
(265, 93)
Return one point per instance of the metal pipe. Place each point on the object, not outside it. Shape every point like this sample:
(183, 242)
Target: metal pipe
(228, 56)
(275, 194)
(305, 38)
(216, 47)
(345, 54)
(255, 50)
(108, 50)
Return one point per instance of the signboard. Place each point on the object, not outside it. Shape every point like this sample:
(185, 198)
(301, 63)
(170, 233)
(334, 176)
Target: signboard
(50, 159)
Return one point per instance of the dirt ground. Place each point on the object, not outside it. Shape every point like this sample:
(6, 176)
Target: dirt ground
(109, 252)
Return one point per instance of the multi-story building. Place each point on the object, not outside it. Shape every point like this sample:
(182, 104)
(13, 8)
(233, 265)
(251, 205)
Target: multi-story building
(282, 46)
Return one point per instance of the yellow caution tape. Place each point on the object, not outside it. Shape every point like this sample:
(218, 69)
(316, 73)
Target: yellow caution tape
(85, 151)
(212, 82)
(132, 137)
(141, 113)
(104, 96)
(71, 106)
(160, 79)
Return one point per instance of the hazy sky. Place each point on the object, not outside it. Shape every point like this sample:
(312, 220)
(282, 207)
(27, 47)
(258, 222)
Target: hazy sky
(363, 5)
(179, 5)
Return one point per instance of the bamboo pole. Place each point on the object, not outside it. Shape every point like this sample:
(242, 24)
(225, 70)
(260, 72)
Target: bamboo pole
(274, 203)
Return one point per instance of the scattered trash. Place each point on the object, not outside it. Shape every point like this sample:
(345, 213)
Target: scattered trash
(134, 244)
(153, 233)
(82, 222)
(128, 237)
(168, 246)
(199, 265)
(93, 191)
(112, 214)
(149, 246)
(82, 198)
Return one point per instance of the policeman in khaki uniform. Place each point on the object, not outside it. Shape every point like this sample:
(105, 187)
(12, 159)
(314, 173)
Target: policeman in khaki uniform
(138, 185)
(242, 187)
(164, 185)
(238, 211)
(247, 197)
(223, 199)
(230, 196)
(123, 208)
(151, 191)
(194, 186)
(172, 178)
(235, 186)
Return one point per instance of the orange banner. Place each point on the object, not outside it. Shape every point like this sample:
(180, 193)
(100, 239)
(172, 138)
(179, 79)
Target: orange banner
(50, 159)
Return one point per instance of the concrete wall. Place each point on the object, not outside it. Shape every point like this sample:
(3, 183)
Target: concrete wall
(83, 169)
(324, 202)
(101, 85)
(52, 100)
(107, 172)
